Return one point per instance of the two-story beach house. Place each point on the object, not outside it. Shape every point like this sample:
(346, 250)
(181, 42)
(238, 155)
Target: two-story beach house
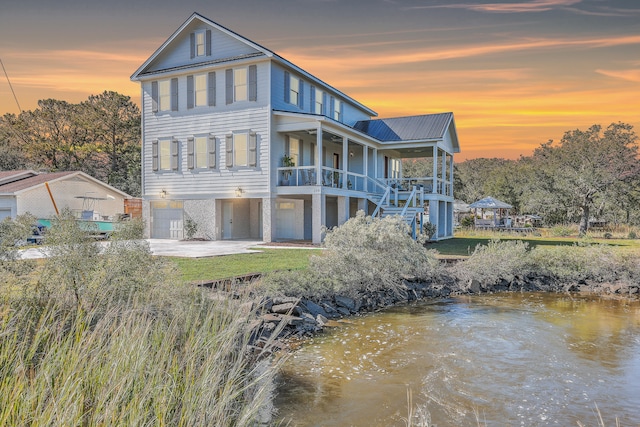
(242, 144)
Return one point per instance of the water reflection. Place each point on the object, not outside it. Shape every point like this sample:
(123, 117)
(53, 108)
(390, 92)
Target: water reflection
(521, 359)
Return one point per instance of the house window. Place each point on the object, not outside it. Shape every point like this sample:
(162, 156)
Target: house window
(241, 149)
(200, 43)
(164, 154)
(337, 108)
(294, 150)
(318, 106)
(241, 84)
(200, 90)
(294, 91)
(201, 152)
(164, 95)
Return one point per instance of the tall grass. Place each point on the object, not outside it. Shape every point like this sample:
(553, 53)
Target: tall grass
(120, 341)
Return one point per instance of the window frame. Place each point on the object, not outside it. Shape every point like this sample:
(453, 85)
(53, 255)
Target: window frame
(164, 99)
(165, 154)
(251, 150)
(318, 107)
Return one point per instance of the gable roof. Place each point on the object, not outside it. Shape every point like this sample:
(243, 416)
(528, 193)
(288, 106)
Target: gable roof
(410, 128)
(490, 203)
(10, 176)
(141, 71)
(32, 180)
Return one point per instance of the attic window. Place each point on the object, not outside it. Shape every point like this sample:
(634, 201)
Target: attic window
(201, 43)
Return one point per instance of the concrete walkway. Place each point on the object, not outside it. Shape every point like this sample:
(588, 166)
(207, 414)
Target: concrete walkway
(200, 249)
(177, 248)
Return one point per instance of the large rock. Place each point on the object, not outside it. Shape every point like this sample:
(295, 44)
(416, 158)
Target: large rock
(346, 302)
(286, 308)
(314, 308)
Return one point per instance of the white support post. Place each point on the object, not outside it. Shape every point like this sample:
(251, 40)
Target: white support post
(318, 216)
(444, 172)
(319, 159)
(365, 163)
(345, 161)
(268, 219)
(343, 209)
(434, 186)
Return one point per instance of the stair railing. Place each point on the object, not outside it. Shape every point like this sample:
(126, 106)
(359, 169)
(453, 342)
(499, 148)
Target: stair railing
(385, 197)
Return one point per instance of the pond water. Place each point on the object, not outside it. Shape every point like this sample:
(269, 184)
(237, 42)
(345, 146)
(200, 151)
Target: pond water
(500, 360)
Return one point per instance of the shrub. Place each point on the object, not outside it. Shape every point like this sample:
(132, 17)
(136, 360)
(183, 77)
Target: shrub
(467, 221)
(600, 263)
(190, 228)
(363, 254)
(562, 231)
(632, 235)
(493, 262)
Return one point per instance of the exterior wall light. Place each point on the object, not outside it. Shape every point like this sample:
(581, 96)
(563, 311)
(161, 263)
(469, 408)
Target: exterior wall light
(239, 192)
(163, 194)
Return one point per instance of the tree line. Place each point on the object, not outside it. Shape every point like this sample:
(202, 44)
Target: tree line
(591, 174)
(99, 136)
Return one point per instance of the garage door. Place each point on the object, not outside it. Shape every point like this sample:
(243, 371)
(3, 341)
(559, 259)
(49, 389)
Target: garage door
(167, 224)
(290, 219)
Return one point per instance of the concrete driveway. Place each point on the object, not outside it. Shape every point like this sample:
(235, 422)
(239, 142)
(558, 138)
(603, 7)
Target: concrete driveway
(199, 249)
(177, 248)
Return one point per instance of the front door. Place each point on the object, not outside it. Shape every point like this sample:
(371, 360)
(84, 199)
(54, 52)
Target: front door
(227, 220)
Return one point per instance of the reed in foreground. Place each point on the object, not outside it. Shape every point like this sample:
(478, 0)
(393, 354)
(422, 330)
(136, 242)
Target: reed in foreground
(117, 340)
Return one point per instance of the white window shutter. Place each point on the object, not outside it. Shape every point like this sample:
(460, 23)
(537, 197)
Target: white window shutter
(253, 149)
(174, 94)
(154, 97)
(154, 155)
(212, 151)
(253, 83)
(287, 87)
(229, 85)
(229, 150)
(301, 95)
(211, 88)
(190, 153)
(174, 154)
(312, 98)
(190, 95)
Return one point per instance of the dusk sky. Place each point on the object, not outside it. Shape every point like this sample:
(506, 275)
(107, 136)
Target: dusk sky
(515, 73)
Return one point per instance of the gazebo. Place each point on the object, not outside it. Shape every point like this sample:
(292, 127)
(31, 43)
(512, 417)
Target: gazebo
(497, 206)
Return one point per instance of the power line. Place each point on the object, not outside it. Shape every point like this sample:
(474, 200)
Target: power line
(10, 85)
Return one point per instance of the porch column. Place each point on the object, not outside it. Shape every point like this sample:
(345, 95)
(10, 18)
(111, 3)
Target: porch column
(268, 219)
(375, 166)
(363, 205)
(343, 209)
(451, 176)
(345, 162)
(365, 170)
(319, 159)
(443, 172)
(318, 216)
(434, 187)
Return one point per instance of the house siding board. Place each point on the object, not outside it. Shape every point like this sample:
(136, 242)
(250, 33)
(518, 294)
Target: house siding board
(221, 181)
(352, 114)
(178, 53)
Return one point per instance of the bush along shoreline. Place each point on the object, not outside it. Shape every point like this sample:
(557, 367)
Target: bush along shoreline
(371, 264)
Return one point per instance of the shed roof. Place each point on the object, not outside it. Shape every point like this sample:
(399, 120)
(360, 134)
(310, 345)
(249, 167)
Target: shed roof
(410, 128)
(490, 203)
(31, 180)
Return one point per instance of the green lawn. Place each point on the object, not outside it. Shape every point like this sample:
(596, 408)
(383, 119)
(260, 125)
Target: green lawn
(464, 245)
(221, 267)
